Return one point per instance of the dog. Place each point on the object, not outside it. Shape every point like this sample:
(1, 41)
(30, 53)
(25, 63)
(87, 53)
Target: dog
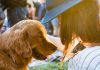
(26, 39)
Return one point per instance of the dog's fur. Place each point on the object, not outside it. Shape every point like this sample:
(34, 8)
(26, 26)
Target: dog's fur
(20, 43)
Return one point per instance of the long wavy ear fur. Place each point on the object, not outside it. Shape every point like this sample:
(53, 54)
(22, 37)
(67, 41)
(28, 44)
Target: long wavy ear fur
(20, 43)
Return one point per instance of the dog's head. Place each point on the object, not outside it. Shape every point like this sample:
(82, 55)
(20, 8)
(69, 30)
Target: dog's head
(28, 38)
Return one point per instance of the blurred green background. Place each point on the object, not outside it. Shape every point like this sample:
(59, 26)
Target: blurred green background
(51, 66)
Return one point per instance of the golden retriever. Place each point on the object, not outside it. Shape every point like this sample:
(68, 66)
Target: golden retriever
(20, 43)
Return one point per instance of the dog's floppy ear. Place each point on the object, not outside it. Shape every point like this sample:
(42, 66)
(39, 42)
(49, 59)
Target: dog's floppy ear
(20, 44)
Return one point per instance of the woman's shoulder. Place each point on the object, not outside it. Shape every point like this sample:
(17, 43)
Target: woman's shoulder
(88, 59)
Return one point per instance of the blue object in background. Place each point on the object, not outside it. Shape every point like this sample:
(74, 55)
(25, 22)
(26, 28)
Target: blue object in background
(59, 7)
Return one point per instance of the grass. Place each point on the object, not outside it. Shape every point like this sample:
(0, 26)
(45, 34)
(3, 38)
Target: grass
(51, 66)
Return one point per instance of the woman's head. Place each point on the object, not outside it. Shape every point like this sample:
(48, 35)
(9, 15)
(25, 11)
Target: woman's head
(81, 20)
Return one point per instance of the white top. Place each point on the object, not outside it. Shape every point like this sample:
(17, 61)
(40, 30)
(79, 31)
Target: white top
(88, 59)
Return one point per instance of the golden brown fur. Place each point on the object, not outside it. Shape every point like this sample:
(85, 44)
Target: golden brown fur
(20, 43)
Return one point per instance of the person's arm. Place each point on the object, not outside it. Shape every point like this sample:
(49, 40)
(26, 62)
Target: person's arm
(57, 42)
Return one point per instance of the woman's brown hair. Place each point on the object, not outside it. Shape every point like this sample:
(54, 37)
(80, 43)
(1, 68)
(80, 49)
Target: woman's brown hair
(81, 20)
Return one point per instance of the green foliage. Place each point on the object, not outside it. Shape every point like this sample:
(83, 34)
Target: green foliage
(51, 66)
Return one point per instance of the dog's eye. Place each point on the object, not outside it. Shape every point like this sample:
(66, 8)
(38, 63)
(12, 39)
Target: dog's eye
(43, 43)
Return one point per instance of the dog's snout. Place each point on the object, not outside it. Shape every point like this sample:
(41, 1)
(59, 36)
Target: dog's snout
(36, 54)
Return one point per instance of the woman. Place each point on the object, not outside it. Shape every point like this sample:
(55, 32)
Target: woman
(82, 22)
(31, 11)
